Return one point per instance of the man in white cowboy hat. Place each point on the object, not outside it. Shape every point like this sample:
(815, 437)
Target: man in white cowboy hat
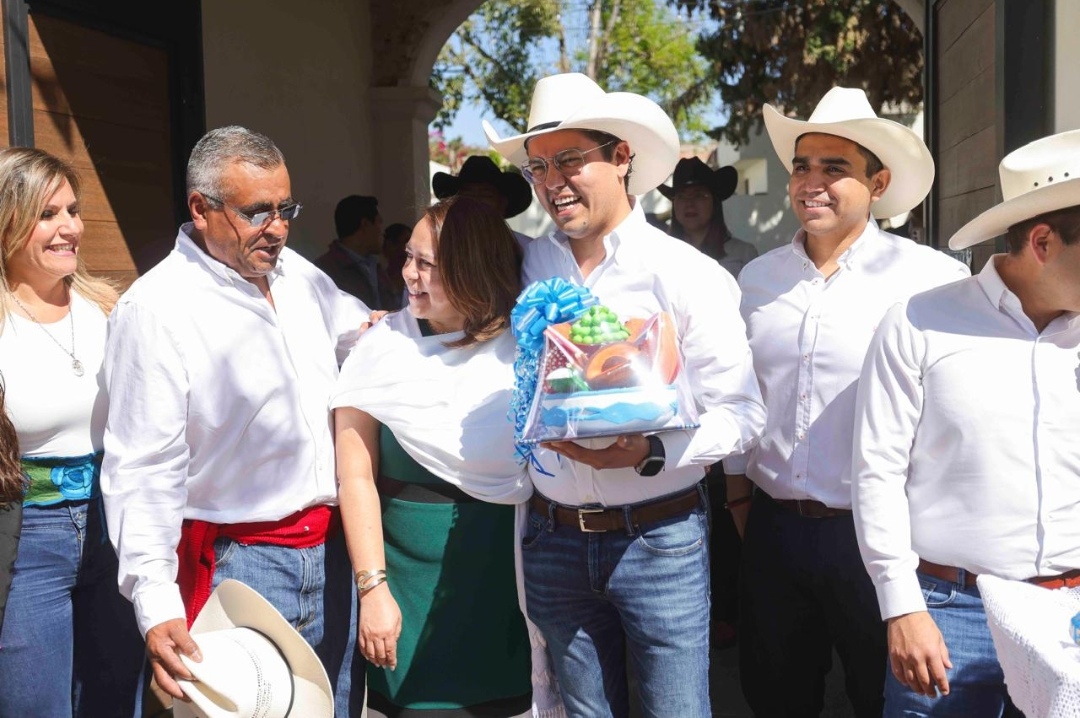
(254, 663)
(616, 553)
(966, 457)
(810, 309)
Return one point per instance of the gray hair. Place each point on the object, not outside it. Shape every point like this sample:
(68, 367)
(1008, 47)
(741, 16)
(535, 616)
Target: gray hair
(220, 148)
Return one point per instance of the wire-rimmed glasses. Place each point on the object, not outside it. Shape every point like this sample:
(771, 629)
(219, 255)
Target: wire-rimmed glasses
(568, 162)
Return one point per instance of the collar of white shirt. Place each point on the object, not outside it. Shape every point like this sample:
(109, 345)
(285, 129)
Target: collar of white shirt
(187, 246)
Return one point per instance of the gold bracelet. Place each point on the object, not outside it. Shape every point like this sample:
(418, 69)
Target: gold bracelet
(363, 577)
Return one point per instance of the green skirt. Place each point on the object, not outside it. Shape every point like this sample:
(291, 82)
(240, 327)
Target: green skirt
(450, 566)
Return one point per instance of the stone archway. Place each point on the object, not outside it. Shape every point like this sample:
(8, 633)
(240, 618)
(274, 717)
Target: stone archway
(407, 36)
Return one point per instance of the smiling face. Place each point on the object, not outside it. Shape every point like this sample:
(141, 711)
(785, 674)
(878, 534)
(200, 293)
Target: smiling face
(592, 202)
(829, 189)
(52, 249)
(427, 295)
(251, 251)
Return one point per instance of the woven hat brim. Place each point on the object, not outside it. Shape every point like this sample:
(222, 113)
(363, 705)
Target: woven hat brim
(995, 221)
(899, 149)
(234, 604)
(639, 121)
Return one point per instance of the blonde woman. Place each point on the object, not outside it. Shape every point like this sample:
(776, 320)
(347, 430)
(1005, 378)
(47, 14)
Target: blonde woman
(69, 644)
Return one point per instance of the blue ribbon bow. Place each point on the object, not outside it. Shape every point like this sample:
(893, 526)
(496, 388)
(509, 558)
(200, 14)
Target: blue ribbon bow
(541, 304)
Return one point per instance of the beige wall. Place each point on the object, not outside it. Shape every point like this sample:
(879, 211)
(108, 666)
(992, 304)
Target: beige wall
(299, 73)
(967, 137)
(1066, 63)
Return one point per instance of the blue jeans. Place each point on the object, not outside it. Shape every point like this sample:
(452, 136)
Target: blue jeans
(313, 589)
(645, 590)
(976, 683)
(70, 645)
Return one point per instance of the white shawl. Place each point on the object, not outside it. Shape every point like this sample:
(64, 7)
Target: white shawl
(447, 407)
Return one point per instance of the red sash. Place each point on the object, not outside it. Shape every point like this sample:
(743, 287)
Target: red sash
(195, 574)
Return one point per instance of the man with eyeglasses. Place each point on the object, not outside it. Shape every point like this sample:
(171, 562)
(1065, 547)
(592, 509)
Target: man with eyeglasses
(219, 454)
(615, 556)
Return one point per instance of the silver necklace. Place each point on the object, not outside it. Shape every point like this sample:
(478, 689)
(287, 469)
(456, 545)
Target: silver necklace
(76, 365)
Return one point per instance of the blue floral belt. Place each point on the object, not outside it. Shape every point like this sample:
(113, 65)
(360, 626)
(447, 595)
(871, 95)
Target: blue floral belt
(62, 478)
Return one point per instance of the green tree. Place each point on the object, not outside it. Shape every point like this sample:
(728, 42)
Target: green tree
(496, 56)
(791, 52)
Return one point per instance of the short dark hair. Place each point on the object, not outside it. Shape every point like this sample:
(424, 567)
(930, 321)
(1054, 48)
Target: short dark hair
(873, 163)
(603, 138)
(394, 233)
(351, 211)
(1066, 222)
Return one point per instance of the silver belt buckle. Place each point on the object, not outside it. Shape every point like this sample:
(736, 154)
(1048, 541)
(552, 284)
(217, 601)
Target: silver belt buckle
(581, 520)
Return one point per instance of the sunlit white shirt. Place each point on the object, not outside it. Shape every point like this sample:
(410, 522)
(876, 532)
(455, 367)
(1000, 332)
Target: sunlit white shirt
(218, 407)
(809, 336)
(644, 271)
(967, 452)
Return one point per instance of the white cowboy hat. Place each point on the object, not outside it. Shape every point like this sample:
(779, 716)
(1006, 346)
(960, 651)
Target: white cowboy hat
(572, 101)
(254, 663)
(1042, 176)
(845, 112)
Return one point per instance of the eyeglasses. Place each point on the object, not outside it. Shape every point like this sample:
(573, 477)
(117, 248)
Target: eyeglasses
(569, 162)
(261, 219)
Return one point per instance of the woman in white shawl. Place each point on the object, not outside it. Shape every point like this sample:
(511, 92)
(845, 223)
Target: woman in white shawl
(428, 477)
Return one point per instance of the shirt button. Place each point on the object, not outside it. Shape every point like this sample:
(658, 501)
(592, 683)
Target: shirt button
(307, 528)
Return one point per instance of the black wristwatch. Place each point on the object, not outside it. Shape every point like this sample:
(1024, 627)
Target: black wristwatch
(653, 463)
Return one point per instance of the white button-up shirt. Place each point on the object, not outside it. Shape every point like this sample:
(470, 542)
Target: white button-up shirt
(218, 407)
(809, 336)
(967, 452)
(644, 271)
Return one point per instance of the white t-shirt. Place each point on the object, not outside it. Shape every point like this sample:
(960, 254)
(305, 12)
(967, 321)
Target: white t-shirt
(55, 412)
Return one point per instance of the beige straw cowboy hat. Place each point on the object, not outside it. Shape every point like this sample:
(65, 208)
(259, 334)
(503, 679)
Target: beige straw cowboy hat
(255, 664)
(1040, 177)
(845, 112)
(572, 101)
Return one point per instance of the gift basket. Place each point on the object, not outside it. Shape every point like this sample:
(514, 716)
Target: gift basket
(584, 371)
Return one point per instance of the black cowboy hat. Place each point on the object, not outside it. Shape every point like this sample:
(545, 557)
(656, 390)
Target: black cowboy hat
(691, 170)
(479, 169)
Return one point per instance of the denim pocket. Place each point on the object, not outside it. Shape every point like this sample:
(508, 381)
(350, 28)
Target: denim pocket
(937, 593)
(534, 531)
(677, 536)
(224, 548)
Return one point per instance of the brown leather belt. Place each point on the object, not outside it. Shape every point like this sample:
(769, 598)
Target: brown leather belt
(1069, 579)
(613, 518)
(946, 573)
(809, 508)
